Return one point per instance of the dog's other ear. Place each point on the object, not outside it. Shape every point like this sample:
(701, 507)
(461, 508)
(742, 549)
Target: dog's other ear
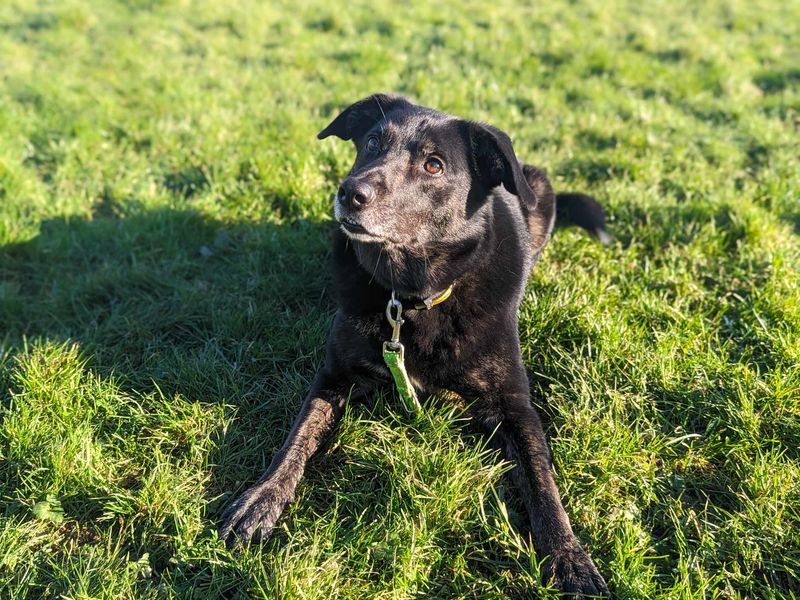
(494, 161)
(357, 118)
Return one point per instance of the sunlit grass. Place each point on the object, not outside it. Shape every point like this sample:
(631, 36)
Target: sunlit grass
(165, 297)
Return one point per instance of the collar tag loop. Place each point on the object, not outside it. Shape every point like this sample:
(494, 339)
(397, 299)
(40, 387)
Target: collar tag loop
(394, 357)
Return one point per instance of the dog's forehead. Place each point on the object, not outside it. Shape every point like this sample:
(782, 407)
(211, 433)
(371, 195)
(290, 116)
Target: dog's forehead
(421, 126)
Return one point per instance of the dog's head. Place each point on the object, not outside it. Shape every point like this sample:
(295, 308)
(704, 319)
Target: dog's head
(420, 176)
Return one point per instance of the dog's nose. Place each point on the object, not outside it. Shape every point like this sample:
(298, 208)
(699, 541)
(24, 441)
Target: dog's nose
(358, 193)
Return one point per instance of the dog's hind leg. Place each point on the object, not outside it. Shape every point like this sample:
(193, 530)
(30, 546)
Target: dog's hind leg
(255, 512)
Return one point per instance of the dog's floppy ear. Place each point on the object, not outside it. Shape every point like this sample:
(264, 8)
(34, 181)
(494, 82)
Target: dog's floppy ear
(494, 161)
(357, 118)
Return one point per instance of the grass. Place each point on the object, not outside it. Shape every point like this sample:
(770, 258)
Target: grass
(164, 297)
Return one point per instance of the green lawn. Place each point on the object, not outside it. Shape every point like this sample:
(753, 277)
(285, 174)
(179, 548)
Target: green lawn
(165, 219)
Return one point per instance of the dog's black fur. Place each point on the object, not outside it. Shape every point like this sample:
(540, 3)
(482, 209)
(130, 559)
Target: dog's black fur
(433, 201)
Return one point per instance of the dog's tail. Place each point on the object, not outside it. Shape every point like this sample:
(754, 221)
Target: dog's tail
(585, 212)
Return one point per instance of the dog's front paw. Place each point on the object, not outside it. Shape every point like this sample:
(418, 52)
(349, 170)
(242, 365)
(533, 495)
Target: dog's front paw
(253, 515)
(573, 572)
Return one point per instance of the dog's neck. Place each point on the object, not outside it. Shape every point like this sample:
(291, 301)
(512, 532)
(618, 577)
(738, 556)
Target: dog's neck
(422, 271)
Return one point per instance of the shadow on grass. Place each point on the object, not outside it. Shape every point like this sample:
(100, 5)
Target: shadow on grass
(793, 219)
(777, 80)
(145, 292)
(177, 303)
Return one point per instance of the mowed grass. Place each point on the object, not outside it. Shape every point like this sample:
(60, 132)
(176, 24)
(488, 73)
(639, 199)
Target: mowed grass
(165, 297)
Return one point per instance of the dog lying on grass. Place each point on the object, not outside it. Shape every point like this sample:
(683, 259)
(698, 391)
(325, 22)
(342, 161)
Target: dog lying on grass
(440, 226)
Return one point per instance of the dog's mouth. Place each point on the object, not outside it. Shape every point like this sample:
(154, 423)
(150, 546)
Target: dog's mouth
(352, 226)
(356, 230)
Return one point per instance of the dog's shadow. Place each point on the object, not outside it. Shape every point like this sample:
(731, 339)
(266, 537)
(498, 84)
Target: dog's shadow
(177, 303)
(146, 294)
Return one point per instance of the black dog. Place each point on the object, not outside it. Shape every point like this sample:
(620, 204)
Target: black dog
(439, 220)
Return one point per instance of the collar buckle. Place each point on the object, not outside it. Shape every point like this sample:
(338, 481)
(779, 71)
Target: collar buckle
(431, 301)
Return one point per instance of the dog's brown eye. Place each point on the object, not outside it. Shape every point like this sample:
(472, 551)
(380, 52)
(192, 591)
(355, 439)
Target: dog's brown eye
(373, 144)
(433, 166)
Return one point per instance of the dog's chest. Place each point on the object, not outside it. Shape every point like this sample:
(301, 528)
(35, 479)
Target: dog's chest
(437, 345)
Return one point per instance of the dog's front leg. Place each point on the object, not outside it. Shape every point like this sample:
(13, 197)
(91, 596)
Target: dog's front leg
(506, 412)
(255, 512)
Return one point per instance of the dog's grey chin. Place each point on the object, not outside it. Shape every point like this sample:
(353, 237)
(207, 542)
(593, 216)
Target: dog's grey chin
(361, 236)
